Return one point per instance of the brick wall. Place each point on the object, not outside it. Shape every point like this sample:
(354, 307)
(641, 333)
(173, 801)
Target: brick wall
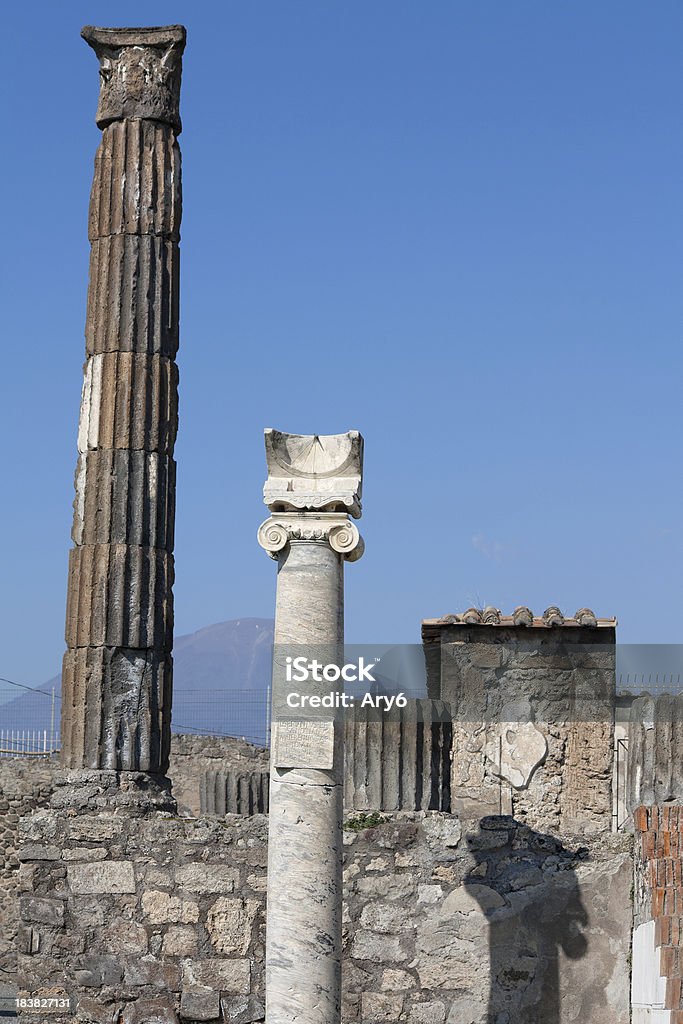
(658, 915)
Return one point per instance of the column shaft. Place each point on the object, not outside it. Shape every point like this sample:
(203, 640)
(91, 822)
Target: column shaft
(117, 673)
(303, 930)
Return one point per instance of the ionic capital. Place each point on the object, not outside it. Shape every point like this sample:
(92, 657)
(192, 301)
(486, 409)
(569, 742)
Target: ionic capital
(333, 528)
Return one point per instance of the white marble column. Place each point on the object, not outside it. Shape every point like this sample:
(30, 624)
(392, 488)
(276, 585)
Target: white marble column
(313, 485)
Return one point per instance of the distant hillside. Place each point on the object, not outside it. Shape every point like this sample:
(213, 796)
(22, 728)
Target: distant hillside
(221, 679)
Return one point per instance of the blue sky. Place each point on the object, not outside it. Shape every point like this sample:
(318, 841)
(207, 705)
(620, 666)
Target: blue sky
(453, 226)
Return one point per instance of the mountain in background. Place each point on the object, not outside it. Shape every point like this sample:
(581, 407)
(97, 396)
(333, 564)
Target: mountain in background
(221, 676)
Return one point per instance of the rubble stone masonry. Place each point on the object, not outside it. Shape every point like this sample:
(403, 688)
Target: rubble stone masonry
(138, 919)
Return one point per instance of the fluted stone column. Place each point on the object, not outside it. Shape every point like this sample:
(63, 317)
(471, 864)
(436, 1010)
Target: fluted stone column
(313, 484)
(117, 671)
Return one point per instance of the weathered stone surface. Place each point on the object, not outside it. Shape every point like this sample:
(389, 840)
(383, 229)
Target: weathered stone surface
(140, 71)
(206, 878)
(124, 936)
(230, 791)
(120, 596)
(150, 1011)
(200, 1004)
(231, 976)
(378, 947)
(133, 295)
(162, 908)
(380, 1007)
(179, 940)
(43, 911)
(130, 402)
(136, 187)
(230, 923)
(242, 1009)
(400, 760)
(116, 680)
(101, 877)
(129, 696)
(153, 973)
(97, 970)
(395, 980)
(655, 751)
(124, 497)
(532, 708)
(31, 851)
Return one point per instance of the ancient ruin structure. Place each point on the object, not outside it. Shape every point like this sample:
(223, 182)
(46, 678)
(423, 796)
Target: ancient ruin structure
(532, 704)
(117, 673)
(313, 486)
(486, 874)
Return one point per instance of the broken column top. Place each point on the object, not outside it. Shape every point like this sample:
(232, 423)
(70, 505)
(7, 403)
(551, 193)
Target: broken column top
(314, 472)
(140, 71)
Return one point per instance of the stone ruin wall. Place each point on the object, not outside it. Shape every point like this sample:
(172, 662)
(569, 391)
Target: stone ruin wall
(25, 783)
(533, 718)
(194, 756)
(165, 915)
(28, 782)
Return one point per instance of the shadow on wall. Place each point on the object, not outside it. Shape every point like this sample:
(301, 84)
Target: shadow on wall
(527, 888)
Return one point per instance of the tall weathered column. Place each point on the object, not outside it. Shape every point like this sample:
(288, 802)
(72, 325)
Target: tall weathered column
(117, 672)
(313, 485)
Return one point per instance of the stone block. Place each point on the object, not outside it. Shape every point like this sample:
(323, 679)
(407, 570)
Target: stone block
(230, 923)
(97, 970)
(230, 976)
(395, 980)
(242, 1009)
(380, 1007)
(385, 917)
(84, 854)
(87, 910)
(432, 1012)
(179, 940)
(150, 1011)
(32, 851)
(147, 970)
(207, 878)
(124, 936)
(396, 887)
(162, 908)
(42, 911)
(101, 877)
(200, 1004)
(378, 948)
(95, 830)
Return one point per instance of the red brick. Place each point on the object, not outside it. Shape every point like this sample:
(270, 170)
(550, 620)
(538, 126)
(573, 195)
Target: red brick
(673, 994)
(662, 931)
(657, 902)
(640, 819)
(668, 961)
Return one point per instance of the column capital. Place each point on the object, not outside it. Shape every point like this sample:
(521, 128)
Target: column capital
(314, 472)
(333, 528)
(140, 72)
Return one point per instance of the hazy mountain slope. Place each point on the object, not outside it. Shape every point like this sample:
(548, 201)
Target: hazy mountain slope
(221, 678)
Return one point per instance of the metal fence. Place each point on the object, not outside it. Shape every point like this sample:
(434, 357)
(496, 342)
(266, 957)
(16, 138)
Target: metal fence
(29, 723)
(27, 742)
